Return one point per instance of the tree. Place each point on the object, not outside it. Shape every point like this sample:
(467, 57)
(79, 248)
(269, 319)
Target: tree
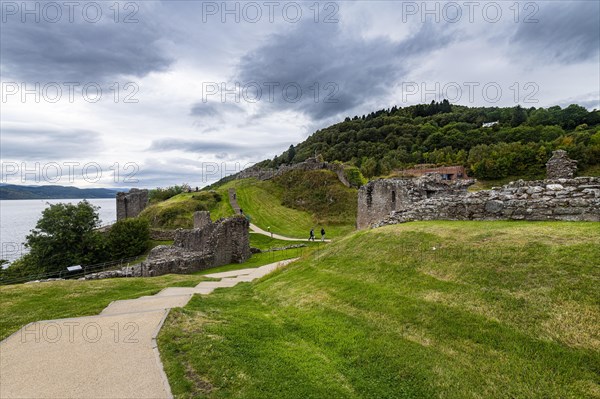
(291, 153)
(369, 167)
(65, 235)
(519, 116)
(128, 238)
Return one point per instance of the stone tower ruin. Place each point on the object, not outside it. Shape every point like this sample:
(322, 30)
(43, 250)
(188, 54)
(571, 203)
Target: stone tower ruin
(130, 204)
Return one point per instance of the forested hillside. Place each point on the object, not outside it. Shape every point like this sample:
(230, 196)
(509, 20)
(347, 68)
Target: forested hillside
(444, 134)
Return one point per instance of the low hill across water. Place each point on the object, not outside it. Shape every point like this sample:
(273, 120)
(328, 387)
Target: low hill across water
(17, 192)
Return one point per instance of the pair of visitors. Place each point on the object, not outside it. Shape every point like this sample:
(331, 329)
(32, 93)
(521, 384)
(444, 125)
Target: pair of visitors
(312, 235)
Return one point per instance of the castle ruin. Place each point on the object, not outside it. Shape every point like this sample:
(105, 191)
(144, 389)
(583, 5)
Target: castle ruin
(559, 197)
(210, 245)
(131, 203)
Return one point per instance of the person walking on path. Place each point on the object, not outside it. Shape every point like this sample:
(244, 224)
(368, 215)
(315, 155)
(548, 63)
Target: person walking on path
(322, 234)
(312, 235)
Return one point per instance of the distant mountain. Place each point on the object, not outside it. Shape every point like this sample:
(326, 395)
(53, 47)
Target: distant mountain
(16, 192)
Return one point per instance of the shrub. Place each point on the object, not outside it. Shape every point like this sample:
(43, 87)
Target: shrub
(128, 238)
(355, 178)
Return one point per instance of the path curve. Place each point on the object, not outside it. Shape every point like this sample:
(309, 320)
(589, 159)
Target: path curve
(254, 228)
(111, 355)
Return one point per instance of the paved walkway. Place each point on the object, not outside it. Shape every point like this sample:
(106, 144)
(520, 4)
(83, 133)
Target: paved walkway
(254, 228)
(112, 355)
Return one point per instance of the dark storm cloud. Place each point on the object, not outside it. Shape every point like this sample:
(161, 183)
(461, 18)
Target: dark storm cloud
(349, 70)
(566, 32)
(81, 51)
(49, 144)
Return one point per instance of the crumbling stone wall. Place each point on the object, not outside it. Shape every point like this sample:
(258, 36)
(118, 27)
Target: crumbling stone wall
(162, 234)
(201, 219)
(558, 199)
(560, 166)
(379, 198)
(214, 244)
(130, 204)
(554, 199)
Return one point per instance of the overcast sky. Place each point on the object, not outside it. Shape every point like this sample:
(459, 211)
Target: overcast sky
(192, 90)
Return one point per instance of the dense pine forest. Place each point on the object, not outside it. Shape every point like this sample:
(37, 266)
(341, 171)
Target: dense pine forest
(519, 143)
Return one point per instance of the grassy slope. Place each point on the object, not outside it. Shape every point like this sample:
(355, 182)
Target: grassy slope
(498, 309)
(261, 200)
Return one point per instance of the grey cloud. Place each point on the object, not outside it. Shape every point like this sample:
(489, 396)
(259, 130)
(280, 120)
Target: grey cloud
(208, 109)
(197, 146)
(49, 144)
(82, 51)
(566, 32)
(172, 171)
(360, 69)
(220, 150)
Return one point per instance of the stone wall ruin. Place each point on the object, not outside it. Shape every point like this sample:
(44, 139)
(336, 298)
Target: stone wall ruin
(214, 244)
(392, 201)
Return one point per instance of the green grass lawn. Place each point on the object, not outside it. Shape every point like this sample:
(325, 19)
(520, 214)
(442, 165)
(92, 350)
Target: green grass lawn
(420, 310)
(26, 303)
(261, 200)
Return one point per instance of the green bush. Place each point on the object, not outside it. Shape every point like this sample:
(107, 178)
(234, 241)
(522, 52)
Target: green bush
(355, 178)
(129, 237)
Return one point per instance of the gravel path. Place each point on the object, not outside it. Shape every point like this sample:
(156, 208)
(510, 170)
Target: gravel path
(112, 355)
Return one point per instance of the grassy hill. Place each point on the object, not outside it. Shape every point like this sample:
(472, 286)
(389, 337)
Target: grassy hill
(290, 204)
(421, 310)
(178, 211)
(296, 202)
